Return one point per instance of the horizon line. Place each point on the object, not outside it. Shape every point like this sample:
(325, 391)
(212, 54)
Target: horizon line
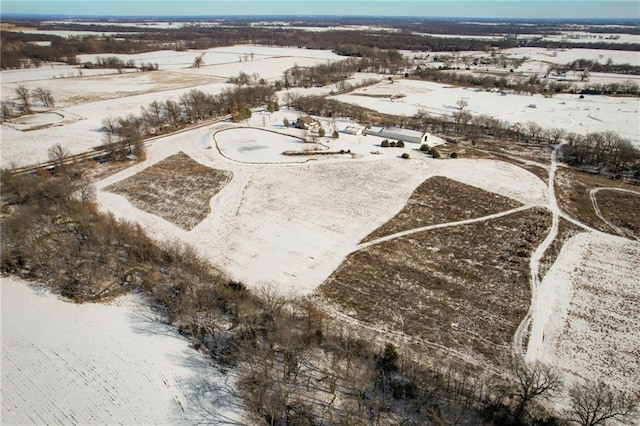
(203, 16)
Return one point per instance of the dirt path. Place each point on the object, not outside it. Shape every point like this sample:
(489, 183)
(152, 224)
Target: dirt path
(528, 338)
(439, 226)
(520, 344)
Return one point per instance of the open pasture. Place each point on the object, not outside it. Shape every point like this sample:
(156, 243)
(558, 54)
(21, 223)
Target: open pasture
(65, 363)
(568, 112)
(588, 318)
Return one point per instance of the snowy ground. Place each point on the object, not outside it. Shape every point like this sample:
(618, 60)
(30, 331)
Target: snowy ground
(64, 363)
(85, 101)
(563, 56)
(290, 225)
(569, 112)
(587, 313)
(311, 215)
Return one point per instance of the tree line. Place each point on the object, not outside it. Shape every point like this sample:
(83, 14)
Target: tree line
(24, 101)
(114, 62)
(532, 84)
(594, 65)
(123, 136)
(376, 61)
(18, 51)
(604, 152)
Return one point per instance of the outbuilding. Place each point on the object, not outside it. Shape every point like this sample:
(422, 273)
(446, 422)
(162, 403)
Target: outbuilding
(307, 122)
(354, 130)
(398, 133)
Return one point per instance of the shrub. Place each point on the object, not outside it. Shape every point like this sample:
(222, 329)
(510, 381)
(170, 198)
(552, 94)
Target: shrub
(385, 144)
(405, 156)
(392, 144)
(424, 147)
(321, 132)
(387, 361)
(454, 155)
(335, 134)
(435, 153)
(400, 144)
(285, 122)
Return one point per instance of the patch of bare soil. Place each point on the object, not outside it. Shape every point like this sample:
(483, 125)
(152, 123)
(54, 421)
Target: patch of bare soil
(462, 151)
(622, 209)
(572, 191)
(440, 200)
(177, 189)
(465, 288)
(540, 153)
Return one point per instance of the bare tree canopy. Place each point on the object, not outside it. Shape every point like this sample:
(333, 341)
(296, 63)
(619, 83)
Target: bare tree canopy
(24, 99)
(594, 404)
(533, 382)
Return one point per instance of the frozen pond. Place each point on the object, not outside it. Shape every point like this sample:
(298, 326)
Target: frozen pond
(250, 145)
(43, 118)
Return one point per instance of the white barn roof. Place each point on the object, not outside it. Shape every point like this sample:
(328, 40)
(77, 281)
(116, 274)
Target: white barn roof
(353, 130)
(405, 135)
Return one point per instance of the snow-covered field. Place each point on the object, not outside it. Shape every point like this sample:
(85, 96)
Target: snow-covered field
(311, 215)
(287, 225)
(64, 363)
(85, 101)
(563, 56)
(587, 319)
(569, 112)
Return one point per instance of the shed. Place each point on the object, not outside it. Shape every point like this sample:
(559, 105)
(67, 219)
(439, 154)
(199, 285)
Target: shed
(354, 130)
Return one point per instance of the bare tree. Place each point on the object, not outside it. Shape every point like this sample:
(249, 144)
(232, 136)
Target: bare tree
(24, 98)
(7, 110)
(153, 114)
(533, 382)
(174, 113)
(462, 103)
(198, 61)
(594, 404)
(556, 135)
(44, 96)
(110, 125)
(58, 154)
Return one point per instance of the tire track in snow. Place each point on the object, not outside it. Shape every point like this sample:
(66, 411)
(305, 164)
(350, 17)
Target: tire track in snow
(439, 226)
(520, 336)
(594, 202)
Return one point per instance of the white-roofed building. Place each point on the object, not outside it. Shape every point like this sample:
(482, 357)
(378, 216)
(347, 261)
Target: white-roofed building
(398, 133)
(354, 130)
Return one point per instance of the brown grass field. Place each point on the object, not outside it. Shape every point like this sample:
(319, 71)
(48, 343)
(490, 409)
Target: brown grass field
(464, 287)
(440, 200)
(622, 209)
(572, 192)
(177, 189)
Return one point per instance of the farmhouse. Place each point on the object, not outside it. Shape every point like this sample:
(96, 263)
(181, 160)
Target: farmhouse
(397, 133)
(307, 122)
(354, 130)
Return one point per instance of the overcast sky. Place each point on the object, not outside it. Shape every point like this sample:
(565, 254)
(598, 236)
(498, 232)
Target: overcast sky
(419, 8)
